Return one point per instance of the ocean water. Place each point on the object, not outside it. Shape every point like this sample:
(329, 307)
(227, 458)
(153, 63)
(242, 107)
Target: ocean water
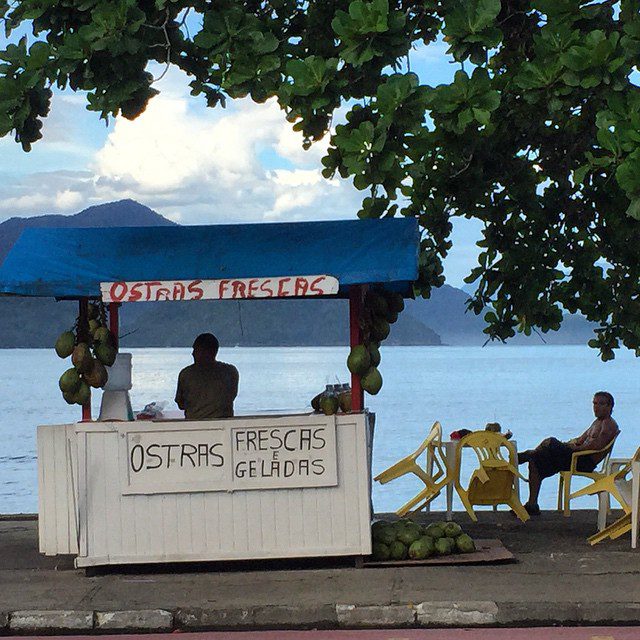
(535, 391)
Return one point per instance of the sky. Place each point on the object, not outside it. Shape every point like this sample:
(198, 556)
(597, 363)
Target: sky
(193, 164)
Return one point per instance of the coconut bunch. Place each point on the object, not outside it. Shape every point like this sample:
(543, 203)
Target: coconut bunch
(380, 311)
(92, 348)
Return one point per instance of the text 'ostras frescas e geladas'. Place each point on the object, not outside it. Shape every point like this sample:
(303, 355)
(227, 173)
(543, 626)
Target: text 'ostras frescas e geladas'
(229, 458)
(227, 289)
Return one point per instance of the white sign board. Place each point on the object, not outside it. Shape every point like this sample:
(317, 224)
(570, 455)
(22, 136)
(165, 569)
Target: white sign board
(287, 456)
(189, 457)
(230, 289)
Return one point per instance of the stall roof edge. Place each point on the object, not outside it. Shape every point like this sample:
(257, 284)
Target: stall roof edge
(71, 262)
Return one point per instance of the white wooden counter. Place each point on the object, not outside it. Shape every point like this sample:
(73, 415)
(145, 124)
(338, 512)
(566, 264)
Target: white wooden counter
(247, 487)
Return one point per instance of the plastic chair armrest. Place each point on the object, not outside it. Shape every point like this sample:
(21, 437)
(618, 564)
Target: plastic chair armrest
(587, 452)
(577, 454)
(615, 464)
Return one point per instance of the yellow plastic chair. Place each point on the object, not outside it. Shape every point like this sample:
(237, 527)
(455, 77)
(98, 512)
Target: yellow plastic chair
(494, 481)
(613, 531)
(565, 477)
(619, 487)
(434, 475)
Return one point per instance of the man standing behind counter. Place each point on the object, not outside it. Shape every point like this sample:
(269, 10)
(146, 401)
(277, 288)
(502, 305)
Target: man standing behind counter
(207, 388)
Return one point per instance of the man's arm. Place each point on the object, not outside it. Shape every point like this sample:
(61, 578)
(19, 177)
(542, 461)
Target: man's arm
(598, 436)
(180, 393)
(576, 443)
(235, 379)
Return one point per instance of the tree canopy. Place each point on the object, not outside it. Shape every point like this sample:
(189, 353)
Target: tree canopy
(537, 135)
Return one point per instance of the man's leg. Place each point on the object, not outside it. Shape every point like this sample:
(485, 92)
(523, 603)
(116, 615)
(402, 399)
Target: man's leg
(534, 489)
(525, 456)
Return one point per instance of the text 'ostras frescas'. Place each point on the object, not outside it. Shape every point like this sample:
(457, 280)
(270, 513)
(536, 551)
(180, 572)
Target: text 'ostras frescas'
(227, 289)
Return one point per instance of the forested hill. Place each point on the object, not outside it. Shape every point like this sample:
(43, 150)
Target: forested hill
(124, 213)
(33, 322)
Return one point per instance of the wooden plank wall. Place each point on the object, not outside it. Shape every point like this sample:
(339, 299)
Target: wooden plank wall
(57, 489)
(275, 523)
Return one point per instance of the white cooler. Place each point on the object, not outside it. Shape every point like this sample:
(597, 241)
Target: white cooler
(116, 404)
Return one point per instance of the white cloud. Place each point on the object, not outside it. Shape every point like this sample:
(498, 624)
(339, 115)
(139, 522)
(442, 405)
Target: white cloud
(58, 201)
(297, 177)
(289, 146)
(155, 151)
(68, 200)
(26, 203)
(198, 165)
(296, 189)
(195, 166)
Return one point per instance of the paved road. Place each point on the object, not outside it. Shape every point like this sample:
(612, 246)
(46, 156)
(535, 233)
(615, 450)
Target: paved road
(536, 633)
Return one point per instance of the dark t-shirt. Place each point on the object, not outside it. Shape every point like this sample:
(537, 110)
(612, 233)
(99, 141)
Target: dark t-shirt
(207, 391)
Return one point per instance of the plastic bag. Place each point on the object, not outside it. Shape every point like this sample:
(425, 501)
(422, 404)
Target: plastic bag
(152, 411)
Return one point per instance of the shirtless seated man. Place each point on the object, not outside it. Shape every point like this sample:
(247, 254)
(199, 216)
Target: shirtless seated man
(552, 456)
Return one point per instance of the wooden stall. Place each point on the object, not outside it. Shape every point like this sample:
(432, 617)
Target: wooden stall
(247, 487)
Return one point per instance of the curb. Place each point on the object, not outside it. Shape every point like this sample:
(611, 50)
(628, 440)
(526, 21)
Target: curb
(143, 620)
(351, 616)
(430, 614)
(474, 613)
(263, 617)
(64, 621)
(12, 517)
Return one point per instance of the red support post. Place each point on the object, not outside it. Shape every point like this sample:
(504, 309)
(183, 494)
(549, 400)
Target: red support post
(114, 326)
(355, 337)
(83, 323)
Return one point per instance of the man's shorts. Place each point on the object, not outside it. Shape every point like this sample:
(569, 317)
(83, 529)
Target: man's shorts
(554, 456)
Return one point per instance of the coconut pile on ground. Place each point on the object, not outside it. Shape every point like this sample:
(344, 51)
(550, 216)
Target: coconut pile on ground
(407, 539)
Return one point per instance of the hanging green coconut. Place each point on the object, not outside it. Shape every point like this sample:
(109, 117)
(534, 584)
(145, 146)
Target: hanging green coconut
(372, 381)
(359, 360)
(65, 343)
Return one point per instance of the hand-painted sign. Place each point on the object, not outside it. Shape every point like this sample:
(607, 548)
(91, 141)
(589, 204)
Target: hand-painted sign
(190, 457)
(228, 289)
(287, 456)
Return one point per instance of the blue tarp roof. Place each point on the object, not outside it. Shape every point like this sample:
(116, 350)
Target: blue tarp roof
(71, 263)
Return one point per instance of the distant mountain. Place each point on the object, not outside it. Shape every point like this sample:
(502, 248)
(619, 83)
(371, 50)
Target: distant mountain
(34, 322)
(124, 213)
(442, 319)
(255, 323)
(37, 322)
(446, 313)
(446, 310)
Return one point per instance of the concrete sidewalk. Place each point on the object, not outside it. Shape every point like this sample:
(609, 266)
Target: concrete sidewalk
(557, 579)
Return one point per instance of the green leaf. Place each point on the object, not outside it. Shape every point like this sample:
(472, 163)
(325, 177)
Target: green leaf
(265, 43)
(590, 82)
(206, 39)
(580, 173)
(608, 140)
(483, 116)
(361, 182)
(634, 209)
(39, 54)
